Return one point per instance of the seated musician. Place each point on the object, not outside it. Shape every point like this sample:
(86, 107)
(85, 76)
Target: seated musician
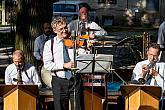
(83, 26)
(150, 71)
(39, 45)
(21, 72)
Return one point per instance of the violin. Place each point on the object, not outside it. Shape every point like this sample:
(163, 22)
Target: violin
(84, 37)
(80, 41)
(70, 43)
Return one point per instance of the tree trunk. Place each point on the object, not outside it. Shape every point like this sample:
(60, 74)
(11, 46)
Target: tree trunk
(30, 15)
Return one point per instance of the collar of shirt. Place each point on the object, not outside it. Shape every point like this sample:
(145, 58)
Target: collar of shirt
(86, 22)
(83, 23)
(58, 40)
(44, 37)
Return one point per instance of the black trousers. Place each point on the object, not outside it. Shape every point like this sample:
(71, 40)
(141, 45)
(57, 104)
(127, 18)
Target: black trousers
(63, 91)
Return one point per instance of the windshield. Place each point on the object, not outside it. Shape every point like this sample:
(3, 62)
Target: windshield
(64, 8)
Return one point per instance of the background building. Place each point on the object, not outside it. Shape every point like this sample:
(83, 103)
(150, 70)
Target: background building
(109, 12)
(128, 12)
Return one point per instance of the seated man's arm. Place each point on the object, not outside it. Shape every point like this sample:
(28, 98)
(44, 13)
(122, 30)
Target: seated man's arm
(101, 31)
(36, 52)
(8, 79)
(35, 78)
(136, 73)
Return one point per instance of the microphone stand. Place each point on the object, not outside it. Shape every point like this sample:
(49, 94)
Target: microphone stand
(74, 35)
(93, 70)
(74, 39)
(93, 60)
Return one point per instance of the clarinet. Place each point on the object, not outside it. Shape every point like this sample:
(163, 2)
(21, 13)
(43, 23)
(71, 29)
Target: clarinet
(19, 75)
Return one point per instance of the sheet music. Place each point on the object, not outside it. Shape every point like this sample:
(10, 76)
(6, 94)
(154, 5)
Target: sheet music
(103, 63)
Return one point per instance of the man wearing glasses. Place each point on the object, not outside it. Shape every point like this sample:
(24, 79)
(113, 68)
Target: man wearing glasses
(57, 60)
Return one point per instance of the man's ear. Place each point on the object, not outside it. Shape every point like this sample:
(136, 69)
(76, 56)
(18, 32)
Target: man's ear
(54, 30)
(12, 61)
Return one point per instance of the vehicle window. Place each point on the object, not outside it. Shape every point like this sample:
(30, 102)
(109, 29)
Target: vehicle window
(85, 5)
(64, 8)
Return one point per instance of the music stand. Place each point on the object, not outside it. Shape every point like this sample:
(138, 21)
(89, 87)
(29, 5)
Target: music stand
(103, 64)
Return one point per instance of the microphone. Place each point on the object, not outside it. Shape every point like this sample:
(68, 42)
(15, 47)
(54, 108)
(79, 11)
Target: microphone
(73, 35)
(18, 67)
(14, 79)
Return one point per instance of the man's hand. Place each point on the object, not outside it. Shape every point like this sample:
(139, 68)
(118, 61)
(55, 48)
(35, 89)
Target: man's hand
(69, 65)
(145, 69)
(153, 72)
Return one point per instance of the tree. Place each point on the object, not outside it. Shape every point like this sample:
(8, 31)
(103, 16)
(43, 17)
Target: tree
(30, 15)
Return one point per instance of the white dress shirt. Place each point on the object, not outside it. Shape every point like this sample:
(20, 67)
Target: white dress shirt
(55, 62)
(161, 35)
(77, 26)
(39, 45)
(29, 75)
(158, 80)
(91, 25)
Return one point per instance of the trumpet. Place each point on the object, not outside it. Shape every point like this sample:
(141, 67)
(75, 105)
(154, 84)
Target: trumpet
(146, 75)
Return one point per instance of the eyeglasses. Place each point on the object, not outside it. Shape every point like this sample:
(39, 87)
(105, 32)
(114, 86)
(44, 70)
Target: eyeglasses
(62, 29)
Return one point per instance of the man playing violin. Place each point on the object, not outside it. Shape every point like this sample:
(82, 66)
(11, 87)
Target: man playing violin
(83, 26)
(57, 60)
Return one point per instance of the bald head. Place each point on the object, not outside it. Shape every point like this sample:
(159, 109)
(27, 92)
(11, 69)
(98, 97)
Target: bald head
(83, 14)
(18, 58)
(83, 9)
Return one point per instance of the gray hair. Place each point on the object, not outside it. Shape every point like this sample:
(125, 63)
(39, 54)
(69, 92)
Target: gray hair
(58, 21)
